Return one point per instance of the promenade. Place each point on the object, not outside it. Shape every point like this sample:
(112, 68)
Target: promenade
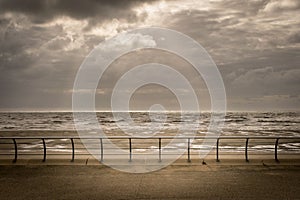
(228, 179)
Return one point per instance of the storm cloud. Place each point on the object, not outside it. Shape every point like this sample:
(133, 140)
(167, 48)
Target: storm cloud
(255, 44)
(41, 11)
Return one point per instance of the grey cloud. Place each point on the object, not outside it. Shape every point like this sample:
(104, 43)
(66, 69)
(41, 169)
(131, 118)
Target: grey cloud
(42, 11)
(32, 61)
(294, 37)
(36, 64)
(260, 82)
(247, 8)
(57, 43)
(256, 49)
(282, 5)
(231, 31)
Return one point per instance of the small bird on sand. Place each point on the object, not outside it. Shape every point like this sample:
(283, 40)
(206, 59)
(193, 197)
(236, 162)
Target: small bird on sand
(203, 162)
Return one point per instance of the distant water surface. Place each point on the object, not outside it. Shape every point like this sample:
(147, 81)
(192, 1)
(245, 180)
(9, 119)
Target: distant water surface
(235, 124)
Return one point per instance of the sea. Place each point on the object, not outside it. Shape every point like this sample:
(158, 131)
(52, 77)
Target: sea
(235, 124)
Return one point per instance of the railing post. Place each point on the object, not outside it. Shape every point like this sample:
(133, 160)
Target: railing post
(73, 150)
(276, 147)
(189, 154)
(159, 149)
(45, 152)
(217, 151)
(130, 150)
(246, 150)
(16, 151)
(101, 150)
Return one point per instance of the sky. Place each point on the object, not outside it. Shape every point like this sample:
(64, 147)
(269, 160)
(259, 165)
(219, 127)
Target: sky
(255, 45)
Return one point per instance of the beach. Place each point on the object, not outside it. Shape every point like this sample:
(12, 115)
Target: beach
(229, 180)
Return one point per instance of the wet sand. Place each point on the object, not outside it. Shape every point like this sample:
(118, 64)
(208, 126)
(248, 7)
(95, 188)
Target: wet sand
(224, 180)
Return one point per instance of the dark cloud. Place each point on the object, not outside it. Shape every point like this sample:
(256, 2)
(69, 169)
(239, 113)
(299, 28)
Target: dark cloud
(254, 43)
(42, 11)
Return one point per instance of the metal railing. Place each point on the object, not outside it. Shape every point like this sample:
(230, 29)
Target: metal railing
(275, 141)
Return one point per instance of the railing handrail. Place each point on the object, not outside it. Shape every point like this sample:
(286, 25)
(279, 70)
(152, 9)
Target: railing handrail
(188, 138)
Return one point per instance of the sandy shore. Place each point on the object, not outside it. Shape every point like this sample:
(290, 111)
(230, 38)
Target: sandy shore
(210, 181)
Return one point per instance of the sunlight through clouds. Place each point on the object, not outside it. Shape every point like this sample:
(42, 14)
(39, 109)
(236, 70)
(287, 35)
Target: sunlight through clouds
(43, 44)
